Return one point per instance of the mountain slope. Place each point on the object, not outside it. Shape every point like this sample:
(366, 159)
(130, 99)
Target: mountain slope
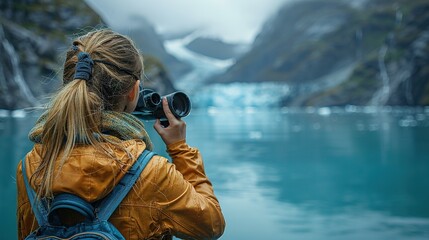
(292, 42)
(336, 53)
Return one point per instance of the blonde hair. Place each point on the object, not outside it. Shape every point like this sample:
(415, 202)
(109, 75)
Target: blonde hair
(74, 113)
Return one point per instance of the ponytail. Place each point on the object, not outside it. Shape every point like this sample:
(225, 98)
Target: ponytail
(73, 117)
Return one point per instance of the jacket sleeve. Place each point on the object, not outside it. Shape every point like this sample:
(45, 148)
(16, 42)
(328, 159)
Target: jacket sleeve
(188, 206)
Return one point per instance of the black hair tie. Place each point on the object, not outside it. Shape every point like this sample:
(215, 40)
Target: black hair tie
(83, 66)
(74, 48)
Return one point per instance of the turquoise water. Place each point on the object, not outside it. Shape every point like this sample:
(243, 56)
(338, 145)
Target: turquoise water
(293, 174)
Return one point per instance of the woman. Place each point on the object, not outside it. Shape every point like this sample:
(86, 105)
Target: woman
(87, 140)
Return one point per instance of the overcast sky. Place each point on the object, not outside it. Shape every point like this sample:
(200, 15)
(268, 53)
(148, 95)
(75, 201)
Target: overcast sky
(231, 20)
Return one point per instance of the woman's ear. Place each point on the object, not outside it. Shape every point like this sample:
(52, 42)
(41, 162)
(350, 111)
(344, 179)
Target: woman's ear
(134, 93)
(132, 98)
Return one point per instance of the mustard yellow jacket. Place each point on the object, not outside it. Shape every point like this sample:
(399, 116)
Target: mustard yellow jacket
(168, 199)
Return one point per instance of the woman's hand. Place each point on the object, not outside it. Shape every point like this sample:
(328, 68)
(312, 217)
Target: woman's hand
(175, 131)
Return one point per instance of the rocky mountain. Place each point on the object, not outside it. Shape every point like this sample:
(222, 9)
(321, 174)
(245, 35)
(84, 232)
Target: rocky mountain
(337, 52)
(33, 36)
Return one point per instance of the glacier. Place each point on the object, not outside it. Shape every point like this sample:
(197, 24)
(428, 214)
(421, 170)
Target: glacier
(231, 95)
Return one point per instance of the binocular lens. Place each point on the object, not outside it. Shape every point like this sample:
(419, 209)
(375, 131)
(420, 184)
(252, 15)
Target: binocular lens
(180, 104)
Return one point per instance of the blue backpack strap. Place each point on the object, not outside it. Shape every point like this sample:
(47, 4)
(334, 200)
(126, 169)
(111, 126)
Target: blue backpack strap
(38, 206)
(109, 204)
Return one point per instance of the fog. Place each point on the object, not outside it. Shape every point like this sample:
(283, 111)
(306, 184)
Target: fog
(232, 21)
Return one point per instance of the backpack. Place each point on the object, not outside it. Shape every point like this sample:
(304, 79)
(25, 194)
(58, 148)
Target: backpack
(96, 224)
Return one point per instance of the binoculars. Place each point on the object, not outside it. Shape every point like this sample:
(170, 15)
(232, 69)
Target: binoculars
(149, 105)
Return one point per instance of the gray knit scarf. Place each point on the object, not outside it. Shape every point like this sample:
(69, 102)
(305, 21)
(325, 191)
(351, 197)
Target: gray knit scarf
(122, 125)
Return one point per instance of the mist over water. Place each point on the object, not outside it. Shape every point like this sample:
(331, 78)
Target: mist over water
(292, 173)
